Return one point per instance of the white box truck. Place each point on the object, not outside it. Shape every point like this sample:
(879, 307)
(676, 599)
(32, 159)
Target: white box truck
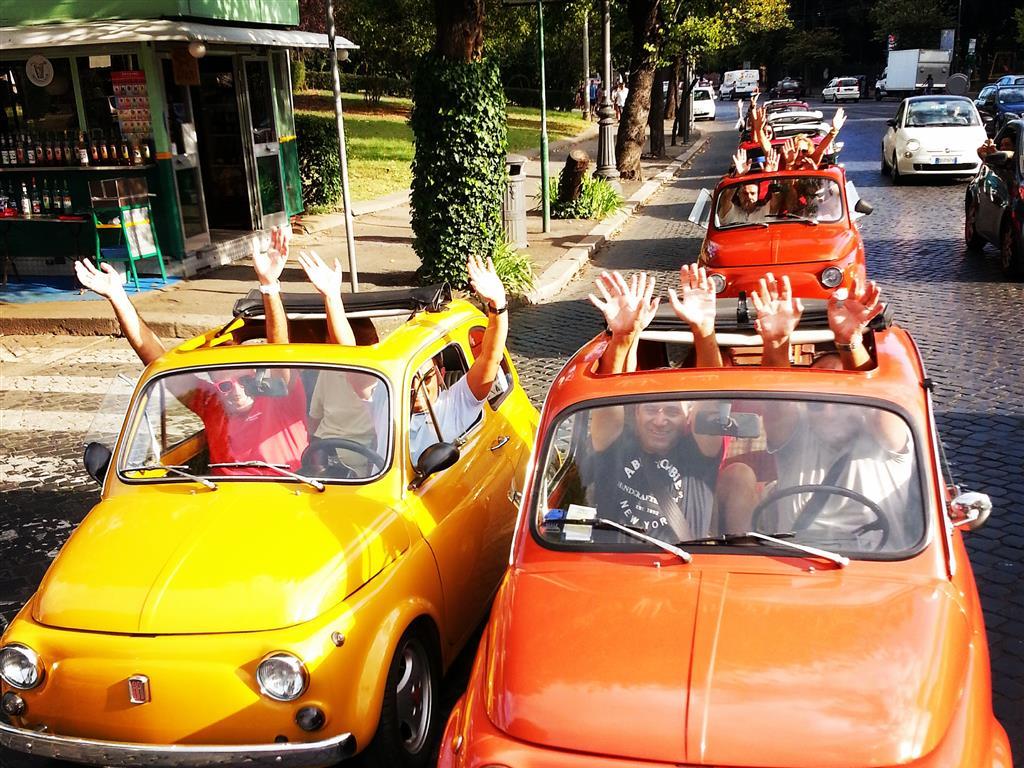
(907, 72)
(738, 83)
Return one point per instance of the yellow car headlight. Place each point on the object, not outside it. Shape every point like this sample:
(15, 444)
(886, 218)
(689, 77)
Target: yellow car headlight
(20, 667)
(282, 677)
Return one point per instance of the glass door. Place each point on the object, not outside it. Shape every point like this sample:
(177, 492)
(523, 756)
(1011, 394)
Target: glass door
(259, 97)
(188, 179)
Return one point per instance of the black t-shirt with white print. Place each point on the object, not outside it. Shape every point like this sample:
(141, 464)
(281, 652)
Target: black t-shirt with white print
(667, 496)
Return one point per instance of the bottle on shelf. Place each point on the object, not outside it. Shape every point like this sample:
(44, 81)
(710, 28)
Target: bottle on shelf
(147, 151)
(126, 153)
(19, 150)
(37, 204)
(5, 154)
(47, 143)
(58, 150)
(67, 150)
(65, 198)
(44, 194)
(30, 150)
(82, 149)
(26, 201)
(94, 150)
(101, 149)
(113, 152)
(40, 152)
(56, 199)
(136, 152)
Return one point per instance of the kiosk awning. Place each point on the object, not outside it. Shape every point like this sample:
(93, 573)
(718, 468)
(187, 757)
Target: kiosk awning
(157, 30)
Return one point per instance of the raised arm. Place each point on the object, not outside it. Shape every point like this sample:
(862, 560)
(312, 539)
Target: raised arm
(107, 283)
(694, 304)
(778, 313)
(838, 121)
(488, 287)
(848, 317)
(327, 282)
(268, 265)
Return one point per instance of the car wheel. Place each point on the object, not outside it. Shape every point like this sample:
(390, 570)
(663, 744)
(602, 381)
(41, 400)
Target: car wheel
(408, 724)
(974, 241)
(885, 169)
(897, 177)
(1010, 253)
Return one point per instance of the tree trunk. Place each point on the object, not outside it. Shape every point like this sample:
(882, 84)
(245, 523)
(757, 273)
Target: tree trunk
(673, 89)
(570, 180)
(656, 117)
(647, 34)
(460, 29)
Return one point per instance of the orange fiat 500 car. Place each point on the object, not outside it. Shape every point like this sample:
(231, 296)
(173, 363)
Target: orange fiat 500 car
(836, 624)
(795, 223)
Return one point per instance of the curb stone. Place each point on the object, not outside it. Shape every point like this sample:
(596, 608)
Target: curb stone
(568, 266)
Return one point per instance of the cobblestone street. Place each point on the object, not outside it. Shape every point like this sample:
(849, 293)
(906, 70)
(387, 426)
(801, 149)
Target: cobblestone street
(963, 313)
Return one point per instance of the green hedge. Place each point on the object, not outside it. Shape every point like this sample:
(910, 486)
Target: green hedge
(458, 171)
(319, 166)
(298, 75)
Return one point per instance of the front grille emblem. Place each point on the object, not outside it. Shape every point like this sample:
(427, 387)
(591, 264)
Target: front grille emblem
(138, 689)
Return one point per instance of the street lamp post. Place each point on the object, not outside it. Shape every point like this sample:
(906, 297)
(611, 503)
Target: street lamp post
(346, 197)
(606, 112)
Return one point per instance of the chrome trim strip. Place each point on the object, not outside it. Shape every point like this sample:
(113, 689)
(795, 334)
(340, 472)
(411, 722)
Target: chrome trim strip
(93, 752)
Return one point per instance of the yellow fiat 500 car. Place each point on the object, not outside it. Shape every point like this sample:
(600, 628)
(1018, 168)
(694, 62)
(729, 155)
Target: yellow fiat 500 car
(290, 613)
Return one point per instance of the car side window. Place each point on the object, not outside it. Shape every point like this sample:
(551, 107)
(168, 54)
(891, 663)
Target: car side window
(456, 413)
(899, 115)
(503, 382)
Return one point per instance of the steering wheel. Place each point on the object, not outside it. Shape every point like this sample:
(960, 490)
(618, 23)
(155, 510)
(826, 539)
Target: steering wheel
(880, 523)
(333, 443)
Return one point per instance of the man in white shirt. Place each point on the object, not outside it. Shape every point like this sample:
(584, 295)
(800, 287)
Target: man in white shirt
(455, 407)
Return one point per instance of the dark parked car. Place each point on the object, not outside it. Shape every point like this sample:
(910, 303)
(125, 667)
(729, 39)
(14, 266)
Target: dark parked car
(994, 206)
(1001, 104)
(787, 86)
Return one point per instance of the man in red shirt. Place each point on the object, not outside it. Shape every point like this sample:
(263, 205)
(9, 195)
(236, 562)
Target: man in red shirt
(245, 419)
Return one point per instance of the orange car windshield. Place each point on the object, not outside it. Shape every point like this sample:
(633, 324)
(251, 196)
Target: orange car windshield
(836, 476)
(260, 422)
(783, 200)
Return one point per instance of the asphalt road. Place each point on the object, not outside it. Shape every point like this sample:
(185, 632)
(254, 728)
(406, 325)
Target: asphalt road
(966, 318)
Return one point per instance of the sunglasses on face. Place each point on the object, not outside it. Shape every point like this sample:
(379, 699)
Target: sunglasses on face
(228, 386)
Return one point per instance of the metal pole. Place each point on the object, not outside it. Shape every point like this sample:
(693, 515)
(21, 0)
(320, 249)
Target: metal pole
(606, 113)
(545, 194)
(586, 64)
(350, 241)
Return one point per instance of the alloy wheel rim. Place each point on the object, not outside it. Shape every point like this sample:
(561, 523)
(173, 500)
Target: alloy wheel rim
(414, 696)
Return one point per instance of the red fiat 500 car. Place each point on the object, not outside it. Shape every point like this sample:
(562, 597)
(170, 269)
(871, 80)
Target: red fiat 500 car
(837, 625)
(794, 223)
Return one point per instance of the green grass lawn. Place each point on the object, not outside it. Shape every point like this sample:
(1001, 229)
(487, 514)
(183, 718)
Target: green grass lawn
(381, 145)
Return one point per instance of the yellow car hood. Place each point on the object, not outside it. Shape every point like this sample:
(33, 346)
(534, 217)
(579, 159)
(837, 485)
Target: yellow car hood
(249, 556)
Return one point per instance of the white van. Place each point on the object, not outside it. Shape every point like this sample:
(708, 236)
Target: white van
(739, 83)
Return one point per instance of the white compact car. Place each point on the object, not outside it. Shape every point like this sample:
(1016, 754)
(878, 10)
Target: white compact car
(703, 103)
(841, 89)
(933, 135)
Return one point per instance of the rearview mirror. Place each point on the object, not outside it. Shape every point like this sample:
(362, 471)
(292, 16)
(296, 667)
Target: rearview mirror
(264, 383)
(970, 510)
(436, 458)
(722, 423)
(891, 122)
(97, 461)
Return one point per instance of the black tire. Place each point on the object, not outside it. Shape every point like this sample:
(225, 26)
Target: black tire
(973, 240)
(1011, 253)
(897, 177)
(397, 744)
(885, 169)
(878, 95)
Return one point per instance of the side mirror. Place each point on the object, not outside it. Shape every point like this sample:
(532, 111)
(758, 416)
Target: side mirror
(725, 424)
(864, 207)
(998, 159)
(97, 461)
(970, 510)
(436, 458)
(891, 122)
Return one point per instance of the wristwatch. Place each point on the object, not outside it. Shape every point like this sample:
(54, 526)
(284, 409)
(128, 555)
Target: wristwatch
(492, 310)
(271, 289)
(855, 343)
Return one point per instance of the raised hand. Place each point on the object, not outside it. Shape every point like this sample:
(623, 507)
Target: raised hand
(485, 282)
(849, 313)
(628, 307)
(694, 304)
(778, 311)
(771, 161)
(105, 281)
(326, 280)
(269, 264)
(789, 153)
(740, 162)
(839, 120)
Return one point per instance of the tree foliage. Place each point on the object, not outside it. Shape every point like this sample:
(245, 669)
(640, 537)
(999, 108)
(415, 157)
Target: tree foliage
(814, 48)
(916, 23)
(1018, 16)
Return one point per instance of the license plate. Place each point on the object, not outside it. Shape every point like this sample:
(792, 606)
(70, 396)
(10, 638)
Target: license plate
(944, 160)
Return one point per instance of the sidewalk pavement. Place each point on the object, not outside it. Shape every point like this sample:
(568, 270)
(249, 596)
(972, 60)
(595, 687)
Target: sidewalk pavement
(384, 252)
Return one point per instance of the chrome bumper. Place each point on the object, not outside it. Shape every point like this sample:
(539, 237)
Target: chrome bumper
(114, 753)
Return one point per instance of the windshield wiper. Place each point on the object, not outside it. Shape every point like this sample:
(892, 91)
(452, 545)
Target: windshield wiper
(176, 469)
(738, 224)
(629, 530)
(779, 539)
(793, 217)
(279, 468)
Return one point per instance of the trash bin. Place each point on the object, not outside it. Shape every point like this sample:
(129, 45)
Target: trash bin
(513, 206)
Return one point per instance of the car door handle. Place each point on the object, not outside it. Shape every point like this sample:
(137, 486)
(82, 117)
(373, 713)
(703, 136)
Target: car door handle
(500, 442)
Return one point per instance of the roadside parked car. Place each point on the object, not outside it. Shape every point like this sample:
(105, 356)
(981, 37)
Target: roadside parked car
(932, 135)
(1010, 80)
(841, 89)
(703, 103)
(994, 203)
(615, 644)
(803, 226)
(787, 87)
(264, 614)
(1001, 104)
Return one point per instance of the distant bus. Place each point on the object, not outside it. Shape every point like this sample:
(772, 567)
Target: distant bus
(738, 83)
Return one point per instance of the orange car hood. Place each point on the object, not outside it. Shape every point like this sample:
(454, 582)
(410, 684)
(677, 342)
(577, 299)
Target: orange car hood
(806, 670)
(779, 244)
(242, 558)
